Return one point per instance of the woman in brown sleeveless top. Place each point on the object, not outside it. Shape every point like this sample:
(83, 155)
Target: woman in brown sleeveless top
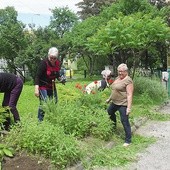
(121, 100)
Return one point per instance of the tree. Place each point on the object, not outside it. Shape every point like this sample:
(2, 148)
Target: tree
(92, 7)
(125, 8)
(63, 20)
(133, 33)
(77, 39)
(12, 38)
(88, 27)
(38, 42)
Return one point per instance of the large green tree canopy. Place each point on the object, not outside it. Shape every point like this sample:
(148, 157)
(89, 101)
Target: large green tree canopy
(122, 32)
(62, 20)
(12, 41)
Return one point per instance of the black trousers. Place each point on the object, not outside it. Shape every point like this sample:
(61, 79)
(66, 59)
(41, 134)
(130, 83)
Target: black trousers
(123, 117)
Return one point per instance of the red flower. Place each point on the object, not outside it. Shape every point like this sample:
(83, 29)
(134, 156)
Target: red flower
(110, 81)
(76, 85)
(95, 82)
(80, 87)
(93, 92)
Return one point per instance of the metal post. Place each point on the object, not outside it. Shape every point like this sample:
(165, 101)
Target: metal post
(168, 82)
(85, 73)
(168, 69)
(70, 73)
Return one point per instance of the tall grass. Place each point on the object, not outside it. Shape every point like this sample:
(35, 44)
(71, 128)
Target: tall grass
(149, 91)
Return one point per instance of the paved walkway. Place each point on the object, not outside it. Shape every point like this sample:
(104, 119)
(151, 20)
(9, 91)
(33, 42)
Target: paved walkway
(157, 155)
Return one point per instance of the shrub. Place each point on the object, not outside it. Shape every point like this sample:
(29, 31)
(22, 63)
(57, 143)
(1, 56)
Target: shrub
(78, 119)
(149, 91)
(46, 139)
(84, 116)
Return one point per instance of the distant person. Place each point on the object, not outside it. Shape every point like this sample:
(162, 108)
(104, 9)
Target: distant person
(100, 85)
(48, 71)
(11, 85)
(105, 82)
(121, 100)
(63, 73)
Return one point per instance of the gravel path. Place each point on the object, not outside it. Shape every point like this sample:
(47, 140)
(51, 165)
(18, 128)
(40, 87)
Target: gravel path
(157, 155)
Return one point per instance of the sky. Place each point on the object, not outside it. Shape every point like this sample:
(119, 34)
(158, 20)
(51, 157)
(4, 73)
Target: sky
(37, 11)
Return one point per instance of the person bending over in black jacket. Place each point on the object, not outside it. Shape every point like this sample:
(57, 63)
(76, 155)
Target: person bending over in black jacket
(11, 85)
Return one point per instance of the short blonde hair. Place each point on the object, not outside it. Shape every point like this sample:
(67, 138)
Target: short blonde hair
(122, 66)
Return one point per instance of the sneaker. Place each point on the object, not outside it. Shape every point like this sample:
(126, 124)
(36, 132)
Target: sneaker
(126, 144)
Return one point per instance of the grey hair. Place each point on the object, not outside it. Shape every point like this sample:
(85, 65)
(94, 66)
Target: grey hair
(122, 66)
(53, 51)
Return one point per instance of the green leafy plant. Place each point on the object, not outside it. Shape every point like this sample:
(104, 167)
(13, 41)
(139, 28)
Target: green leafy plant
(4, 113)
(47, 140)
(5, 151)
(81, 117)
(149, 91)
(79, 120)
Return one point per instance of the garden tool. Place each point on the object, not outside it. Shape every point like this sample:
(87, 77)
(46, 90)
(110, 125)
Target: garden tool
(54, 87)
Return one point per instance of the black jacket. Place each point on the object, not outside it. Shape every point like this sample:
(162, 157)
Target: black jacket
(7, 82)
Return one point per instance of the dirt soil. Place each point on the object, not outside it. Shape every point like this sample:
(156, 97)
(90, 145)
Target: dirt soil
(155, 157)
(25, 162)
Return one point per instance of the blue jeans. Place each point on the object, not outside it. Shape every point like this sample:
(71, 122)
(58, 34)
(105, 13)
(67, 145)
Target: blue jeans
(123, 117)
(44, 95)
